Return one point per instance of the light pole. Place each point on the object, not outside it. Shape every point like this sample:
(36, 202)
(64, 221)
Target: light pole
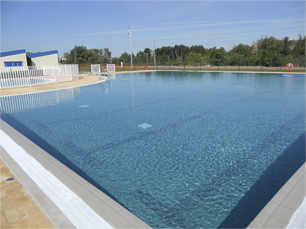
(130, 33)
(154, 52)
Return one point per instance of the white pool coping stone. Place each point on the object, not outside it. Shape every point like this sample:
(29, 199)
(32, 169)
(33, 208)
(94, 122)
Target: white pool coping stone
(298, 220)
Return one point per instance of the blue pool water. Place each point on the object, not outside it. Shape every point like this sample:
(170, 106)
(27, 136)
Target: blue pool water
(183, 150)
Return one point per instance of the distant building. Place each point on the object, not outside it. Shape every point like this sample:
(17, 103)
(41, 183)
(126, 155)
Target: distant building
(49, 58)
(62, 58)
(20, 58)
(13, 58)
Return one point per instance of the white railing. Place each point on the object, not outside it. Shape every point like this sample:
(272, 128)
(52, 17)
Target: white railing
(95, 68)
(37, 75)
(111, 68)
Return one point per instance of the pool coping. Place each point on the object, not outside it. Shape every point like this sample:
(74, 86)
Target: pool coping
(107, 208)
(280, 209)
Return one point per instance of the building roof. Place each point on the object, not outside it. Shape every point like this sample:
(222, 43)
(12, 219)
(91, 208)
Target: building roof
(10, 53)
(39, 54)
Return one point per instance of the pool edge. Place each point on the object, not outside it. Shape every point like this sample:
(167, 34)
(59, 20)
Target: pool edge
(108, 209)
(280, 209)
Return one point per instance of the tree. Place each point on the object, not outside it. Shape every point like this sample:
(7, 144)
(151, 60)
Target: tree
(78, 54)
(163, 51)
(125, 58)
(218, 57)
(198, 49)
(162, 59)
(140, 58)
(148, 53)
(265, 60)
(93, 56)
(107, 54)
(194, 57)
(266, 51)
(285, 47)
(184, 50)
(253, 60)
(241, 55)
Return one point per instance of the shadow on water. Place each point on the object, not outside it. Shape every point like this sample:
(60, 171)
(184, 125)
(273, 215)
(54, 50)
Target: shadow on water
(275, 176)
(52, 151)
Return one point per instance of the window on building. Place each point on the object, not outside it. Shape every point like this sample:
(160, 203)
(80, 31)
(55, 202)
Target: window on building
(13, 63)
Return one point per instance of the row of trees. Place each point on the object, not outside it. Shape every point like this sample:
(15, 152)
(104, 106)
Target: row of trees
(82, 55)
(267, 51)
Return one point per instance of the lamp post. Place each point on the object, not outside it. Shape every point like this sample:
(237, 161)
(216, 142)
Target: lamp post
(130, 33)
(154, 52)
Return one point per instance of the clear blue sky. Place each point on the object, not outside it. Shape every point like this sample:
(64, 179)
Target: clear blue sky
(60, 25)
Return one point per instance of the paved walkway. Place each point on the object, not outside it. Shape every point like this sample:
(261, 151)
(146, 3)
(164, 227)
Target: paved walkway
(18, 209)
(84, 79)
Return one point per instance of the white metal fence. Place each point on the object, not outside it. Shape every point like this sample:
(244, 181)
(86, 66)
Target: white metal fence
(95, 68)
(37, 75)
(111, 68)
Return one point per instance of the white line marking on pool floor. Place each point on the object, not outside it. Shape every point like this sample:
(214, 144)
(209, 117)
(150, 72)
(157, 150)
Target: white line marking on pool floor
(74, 208)
(145, 125)
(84, 106)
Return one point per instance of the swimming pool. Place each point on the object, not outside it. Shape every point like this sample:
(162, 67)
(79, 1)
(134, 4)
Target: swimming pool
(177, 149)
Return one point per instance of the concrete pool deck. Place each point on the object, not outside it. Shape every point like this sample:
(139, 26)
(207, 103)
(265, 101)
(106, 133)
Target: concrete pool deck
(276, 214)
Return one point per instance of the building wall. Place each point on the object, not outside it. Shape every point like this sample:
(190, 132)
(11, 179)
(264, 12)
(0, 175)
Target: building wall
(14, 58)
(47, 60)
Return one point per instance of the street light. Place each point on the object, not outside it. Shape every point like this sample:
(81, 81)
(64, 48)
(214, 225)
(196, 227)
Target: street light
(154, 51)
(130, 33)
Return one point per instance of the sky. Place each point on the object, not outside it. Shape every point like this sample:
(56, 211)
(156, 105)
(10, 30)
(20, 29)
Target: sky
(39, 26)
